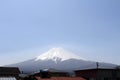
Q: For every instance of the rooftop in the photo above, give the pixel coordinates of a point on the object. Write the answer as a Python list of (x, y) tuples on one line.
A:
[(61, 78)]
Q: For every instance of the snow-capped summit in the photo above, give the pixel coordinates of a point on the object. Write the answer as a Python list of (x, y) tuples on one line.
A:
[(58, 54)]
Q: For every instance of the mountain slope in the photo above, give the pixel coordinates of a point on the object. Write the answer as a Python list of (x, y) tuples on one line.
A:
[(60, 59)]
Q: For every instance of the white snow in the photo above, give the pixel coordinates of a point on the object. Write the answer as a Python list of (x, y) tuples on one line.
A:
[(58, 54)]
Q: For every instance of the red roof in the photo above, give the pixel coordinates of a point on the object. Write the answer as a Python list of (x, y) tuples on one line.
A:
[(61, 78)]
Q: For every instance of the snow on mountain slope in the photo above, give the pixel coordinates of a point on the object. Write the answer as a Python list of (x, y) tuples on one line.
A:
[(58, 54)]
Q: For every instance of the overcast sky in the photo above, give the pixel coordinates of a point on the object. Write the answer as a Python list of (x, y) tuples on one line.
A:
[(90, 28)]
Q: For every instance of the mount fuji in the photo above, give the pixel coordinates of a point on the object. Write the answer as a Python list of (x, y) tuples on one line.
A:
[(61, 59)]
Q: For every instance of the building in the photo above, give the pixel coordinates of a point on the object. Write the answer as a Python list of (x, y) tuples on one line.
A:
[(99, 74), (9, 73), (51, 73), (58, 73)]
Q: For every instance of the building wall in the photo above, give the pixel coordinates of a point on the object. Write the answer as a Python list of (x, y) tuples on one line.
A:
[(58, 74), (99, 74), (118, 73), (105, 73), (88, 74), (7, 78), (9, 73)]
